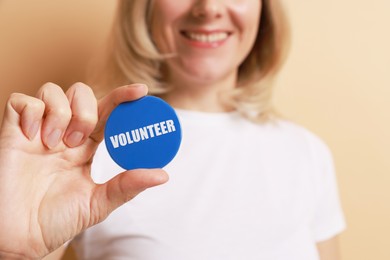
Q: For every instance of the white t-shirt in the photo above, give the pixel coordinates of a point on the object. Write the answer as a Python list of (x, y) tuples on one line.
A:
[(237, 191)]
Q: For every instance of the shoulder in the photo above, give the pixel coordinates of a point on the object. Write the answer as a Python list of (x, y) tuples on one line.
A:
[(304, 137), (299, 131)]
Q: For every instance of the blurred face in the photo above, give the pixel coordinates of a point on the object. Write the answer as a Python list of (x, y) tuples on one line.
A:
[(210, 38)]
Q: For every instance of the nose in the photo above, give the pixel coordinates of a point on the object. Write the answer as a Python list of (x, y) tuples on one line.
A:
[(207, 9)]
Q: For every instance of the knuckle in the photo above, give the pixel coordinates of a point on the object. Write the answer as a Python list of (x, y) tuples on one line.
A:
[(79, 84), (15, 97), (61, 112), (80, 90), (37, 104), (50, 91), (86, 118), (80, 87), (26, 101), (51, 87), (15, 100)]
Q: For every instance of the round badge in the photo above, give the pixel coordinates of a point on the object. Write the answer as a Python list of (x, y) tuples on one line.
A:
[(144, 133)]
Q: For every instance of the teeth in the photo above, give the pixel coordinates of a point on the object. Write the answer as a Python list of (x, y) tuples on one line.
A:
[(213, 37)]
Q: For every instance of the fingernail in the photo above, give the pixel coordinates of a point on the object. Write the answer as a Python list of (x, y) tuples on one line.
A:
[(33, 130), (139, 85), (53, 138), (74, 139)]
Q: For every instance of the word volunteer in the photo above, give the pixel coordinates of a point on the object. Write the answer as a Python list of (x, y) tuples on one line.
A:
[(143, 133)]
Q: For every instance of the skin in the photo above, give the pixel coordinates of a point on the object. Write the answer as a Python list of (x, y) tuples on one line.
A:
[(200, 72), (51, 209), (41, 207), (329, 249)]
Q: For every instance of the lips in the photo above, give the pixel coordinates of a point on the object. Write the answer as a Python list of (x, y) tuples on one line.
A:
[(205, 37)]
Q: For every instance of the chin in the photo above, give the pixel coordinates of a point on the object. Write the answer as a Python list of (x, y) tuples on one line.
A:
[(205, 74), (204, 78)]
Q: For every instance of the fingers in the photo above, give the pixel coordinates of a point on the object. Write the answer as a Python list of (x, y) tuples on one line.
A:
[(83, 105), (26, 111), (109, 102), (57, 114), (123, 188), (70, 117)]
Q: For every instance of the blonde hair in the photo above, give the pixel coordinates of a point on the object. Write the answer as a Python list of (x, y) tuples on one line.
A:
[(133, 57)]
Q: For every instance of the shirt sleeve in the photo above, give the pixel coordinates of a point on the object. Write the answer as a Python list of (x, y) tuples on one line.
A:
[(328, 219)]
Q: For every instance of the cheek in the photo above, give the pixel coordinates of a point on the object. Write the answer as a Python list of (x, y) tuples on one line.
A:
[(249, 9), (165, 13), (246, 14)]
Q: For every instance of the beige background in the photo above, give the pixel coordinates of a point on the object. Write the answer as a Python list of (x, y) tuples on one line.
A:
[(336, 82)]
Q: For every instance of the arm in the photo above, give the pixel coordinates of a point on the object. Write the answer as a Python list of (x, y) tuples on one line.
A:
[(329, 249)]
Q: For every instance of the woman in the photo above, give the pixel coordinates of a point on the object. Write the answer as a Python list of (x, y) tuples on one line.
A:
[(244, 185)]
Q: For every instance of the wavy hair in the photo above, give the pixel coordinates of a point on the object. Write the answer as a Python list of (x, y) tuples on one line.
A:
[(133, 57)]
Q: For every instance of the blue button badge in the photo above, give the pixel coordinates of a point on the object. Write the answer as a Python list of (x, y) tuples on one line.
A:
[(144, 133)]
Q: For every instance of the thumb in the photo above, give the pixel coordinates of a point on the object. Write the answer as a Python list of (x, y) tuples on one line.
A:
[(124, 187)]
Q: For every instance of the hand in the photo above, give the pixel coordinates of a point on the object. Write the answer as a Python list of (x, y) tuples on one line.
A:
[(46, 148)]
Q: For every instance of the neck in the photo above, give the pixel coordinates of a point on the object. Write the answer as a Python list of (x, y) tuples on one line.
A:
[(198, 96)]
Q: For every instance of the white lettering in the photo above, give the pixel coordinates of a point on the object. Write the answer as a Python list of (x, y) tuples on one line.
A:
[(135, 135), (171, 126), (129, 138), (122, 139), (143, 133), (157, 129), (114, 141), (163, 128), (150, 128)]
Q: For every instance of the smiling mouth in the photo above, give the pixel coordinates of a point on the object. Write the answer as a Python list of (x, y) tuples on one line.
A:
[(206, 37)]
